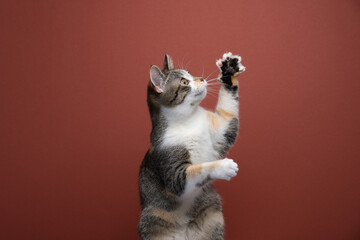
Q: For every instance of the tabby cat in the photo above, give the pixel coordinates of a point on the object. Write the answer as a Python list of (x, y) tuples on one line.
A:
[(187, 152)]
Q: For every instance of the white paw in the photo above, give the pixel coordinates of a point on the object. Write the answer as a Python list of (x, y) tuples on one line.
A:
[(226, 170)]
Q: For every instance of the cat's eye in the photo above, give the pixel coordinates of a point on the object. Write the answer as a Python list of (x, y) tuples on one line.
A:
[(184, 82)]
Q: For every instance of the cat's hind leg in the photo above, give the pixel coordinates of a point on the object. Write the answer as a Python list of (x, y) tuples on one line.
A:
[(158, 224), (209, 225)]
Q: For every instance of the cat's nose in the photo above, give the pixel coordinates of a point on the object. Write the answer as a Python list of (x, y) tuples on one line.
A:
[(199, 81)]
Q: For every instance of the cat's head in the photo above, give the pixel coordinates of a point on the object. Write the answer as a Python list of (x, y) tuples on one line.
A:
[(175, 87)]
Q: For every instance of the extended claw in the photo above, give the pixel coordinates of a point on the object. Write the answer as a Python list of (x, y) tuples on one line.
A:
[(227, 55), (219, 63)]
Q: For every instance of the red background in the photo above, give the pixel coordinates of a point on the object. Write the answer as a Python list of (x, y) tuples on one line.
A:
[(74, 123)]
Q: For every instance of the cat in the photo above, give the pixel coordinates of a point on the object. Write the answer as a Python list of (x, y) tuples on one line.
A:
[(187, 152)]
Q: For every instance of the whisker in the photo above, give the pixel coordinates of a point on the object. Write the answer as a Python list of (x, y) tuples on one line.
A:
[(182, 62), (210, 74), (202, 75), (186, 66), (179, 64), (213, 84), (212, 95), (215, 80), (213, 90), (212, 79)]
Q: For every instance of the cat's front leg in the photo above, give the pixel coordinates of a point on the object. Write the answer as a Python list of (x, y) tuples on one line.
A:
[(225, 169), (225, 120), (198, 175)]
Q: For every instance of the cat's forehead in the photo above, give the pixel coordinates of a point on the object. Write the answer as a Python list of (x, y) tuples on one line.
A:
[(180, 73)]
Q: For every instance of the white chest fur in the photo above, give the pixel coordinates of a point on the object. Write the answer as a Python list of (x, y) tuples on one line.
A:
[(193, 133)]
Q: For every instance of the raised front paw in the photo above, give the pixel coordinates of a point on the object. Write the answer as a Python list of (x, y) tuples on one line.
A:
[(226, 170), (230, 67)]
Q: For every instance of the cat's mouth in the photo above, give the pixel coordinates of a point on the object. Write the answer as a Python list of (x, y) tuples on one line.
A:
[(200, 93)]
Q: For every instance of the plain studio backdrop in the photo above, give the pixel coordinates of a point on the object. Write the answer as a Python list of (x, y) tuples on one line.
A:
[(74, 124)]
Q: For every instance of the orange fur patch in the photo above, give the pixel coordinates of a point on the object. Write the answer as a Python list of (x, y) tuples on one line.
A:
[(225, 114), (170, 194), (197, 82), (213, 165), (213, 119), (163, 214), (194, 170), (234, 80)]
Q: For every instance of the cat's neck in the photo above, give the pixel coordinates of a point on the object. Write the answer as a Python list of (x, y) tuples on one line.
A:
[(179, 113)]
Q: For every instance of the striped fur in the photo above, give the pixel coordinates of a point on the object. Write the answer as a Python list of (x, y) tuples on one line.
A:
[(188, 146)]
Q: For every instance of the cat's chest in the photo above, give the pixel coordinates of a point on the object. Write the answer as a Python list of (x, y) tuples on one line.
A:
[(193, 135)]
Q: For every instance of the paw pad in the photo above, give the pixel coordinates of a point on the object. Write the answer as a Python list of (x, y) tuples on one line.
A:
[(229, 66)]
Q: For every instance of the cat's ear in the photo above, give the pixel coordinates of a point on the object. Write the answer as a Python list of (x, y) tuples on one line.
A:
[(168, 63), (157, 78)]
